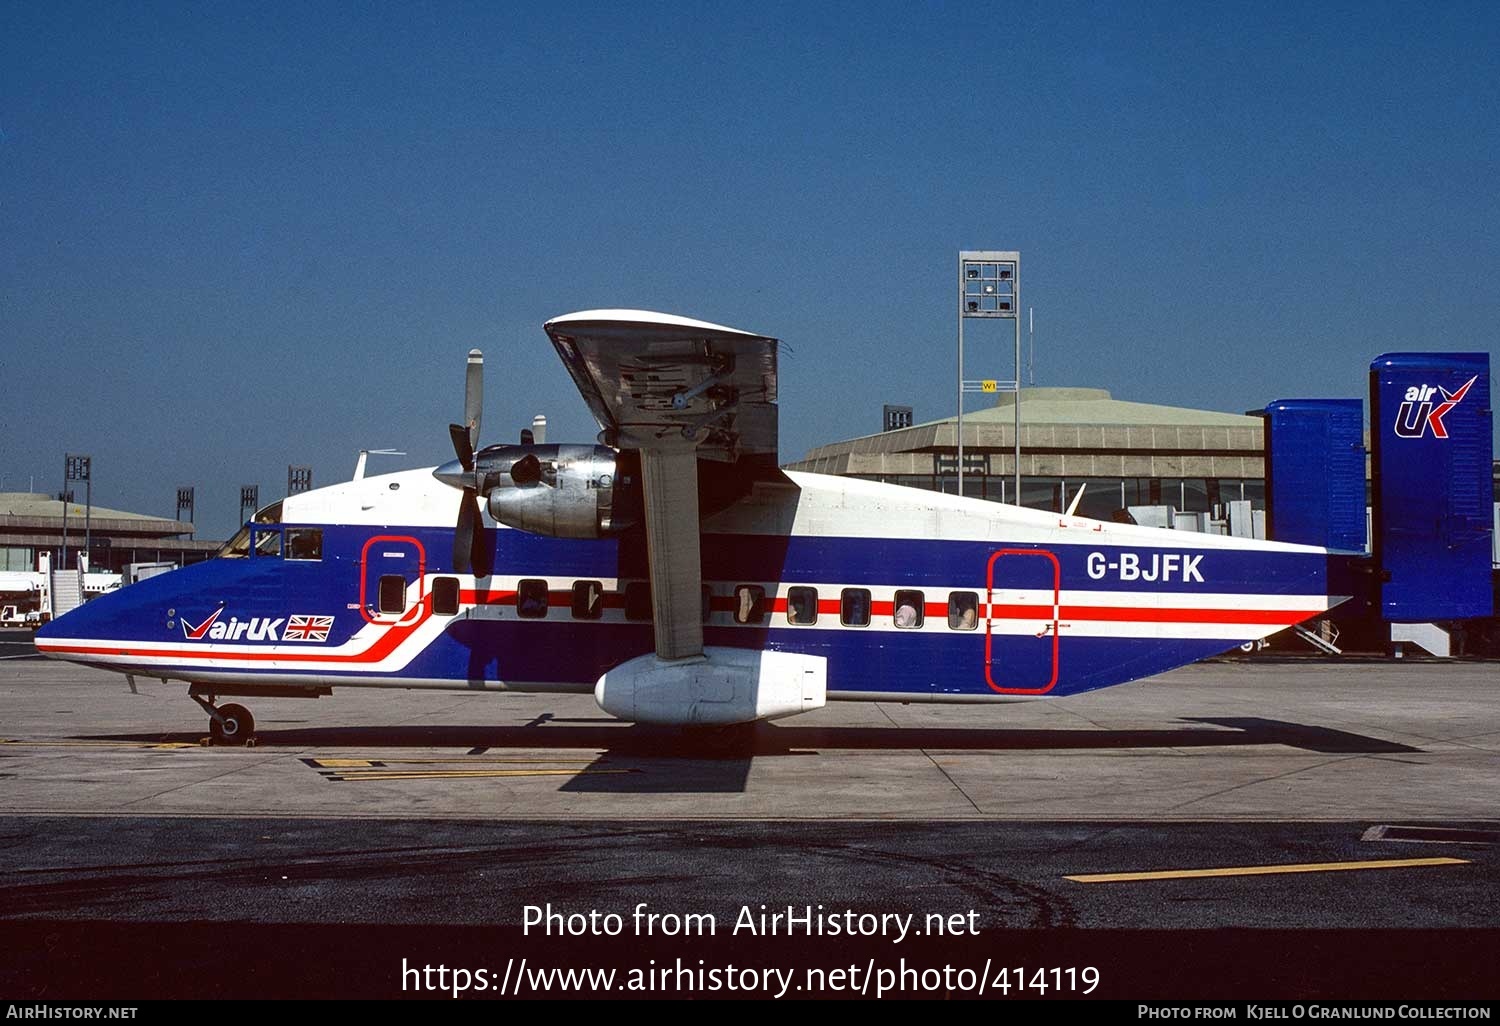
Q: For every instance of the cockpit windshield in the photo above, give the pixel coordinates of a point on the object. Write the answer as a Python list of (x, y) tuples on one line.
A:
[(267, 543)]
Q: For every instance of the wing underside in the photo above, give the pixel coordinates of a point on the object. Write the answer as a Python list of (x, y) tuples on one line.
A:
[(677, 390)]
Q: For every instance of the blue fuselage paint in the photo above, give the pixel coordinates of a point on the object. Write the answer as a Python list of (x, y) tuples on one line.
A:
[(146, 627)]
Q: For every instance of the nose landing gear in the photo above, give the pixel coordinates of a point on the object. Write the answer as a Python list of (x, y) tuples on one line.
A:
[(229, 724), (233, 725)]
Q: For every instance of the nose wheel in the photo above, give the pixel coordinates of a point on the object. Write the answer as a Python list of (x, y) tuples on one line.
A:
[(233, 726), (229, 724)]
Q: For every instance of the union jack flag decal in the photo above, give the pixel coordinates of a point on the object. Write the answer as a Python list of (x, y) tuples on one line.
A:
[(307, 628)]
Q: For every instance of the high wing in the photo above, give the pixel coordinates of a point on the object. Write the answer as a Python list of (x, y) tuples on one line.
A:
[(676, 390)]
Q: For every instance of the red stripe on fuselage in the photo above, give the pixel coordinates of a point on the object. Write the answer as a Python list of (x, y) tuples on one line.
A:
[(398, 632)]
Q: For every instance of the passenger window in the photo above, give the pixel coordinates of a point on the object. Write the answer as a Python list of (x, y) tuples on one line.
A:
[(802, 606), (445, 596), (749, 603), (854, 607), (963, 610), (531, 599), (588, 600), (910, 609), (304, 543), (708, 603), (638, 600), (392, 593)]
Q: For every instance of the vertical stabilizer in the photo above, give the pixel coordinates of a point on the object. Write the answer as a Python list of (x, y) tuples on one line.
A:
[(1430, 435), (1315, 472)]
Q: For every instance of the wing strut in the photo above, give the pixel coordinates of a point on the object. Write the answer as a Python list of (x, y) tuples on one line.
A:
[(678, 391), (669, 481)]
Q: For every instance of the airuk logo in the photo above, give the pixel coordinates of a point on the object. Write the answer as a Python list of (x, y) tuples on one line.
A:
[(299, 627), (1420, 411)]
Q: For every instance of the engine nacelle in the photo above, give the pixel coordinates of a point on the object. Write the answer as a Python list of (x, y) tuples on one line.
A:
[(565, 491), (728, 685)]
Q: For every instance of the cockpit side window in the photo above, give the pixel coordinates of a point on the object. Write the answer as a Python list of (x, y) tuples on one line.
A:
[(267, 543), (238, 547), (304, 543)]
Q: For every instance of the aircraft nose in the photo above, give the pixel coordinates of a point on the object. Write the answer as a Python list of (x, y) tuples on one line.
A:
[(453, 473), (84, 622)]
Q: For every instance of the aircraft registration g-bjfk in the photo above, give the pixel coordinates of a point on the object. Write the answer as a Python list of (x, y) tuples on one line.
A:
[(674, 571)]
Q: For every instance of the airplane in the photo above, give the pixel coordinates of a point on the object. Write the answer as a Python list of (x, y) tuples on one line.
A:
[(673, 571)]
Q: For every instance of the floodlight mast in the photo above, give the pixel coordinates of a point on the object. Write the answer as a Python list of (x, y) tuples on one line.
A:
[(989, 286)]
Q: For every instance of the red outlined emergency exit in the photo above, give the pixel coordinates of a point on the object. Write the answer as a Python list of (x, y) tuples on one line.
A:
[(1022, 662)]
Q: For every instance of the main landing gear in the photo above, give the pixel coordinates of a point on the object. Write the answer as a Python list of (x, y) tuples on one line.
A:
[(227, 724), (729, 740), (233, 724)]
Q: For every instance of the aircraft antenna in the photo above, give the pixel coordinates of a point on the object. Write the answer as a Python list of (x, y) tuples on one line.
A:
[(365, 454)]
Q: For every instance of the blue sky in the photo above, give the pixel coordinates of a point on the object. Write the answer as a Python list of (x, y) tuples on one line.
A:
[(236, 237)]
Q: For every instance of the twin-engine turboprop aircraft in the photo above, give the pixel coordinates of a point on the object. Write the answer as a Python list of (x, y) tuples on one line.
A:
[(677, 574)]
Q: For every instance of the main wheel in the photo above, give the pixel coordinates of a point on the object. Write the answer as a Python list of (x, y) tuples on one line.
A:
[(236, 726)]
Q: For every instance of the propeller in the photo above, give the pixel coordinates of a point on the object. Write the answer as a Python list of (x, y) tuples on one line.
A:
[(469, 550), (474, 396)]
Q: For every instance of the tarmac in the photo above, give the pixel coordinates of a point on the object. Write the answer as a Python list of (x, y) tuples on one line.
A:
[(1229, 829)]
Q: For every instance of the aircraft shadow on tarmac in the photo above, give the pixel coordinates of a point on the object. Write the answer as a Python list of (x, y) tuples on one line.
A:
[(716, 764)]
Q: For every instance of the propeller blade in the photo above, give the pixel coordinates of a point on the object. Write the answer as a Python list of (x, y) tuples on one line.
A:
[(463, 534), (474, 396), (479, 552), (461, 446), (469, 550)]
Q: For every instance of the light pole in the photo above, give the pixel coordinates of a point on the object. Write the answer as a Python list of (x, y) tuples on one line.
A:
[(298, 479), (77, 468), (185, 502), (989, 286), (249, 500)]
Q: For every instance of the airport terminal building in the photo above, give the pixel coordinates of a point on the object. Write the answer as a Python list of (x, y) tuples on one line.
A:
[(1127, 453), (34, 522)]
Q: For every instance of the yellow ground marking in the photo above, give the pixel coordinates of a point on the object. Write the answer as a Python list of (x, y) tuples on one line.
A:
[(467, 761), (155, 745), (1307, 867), (378, 774)]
